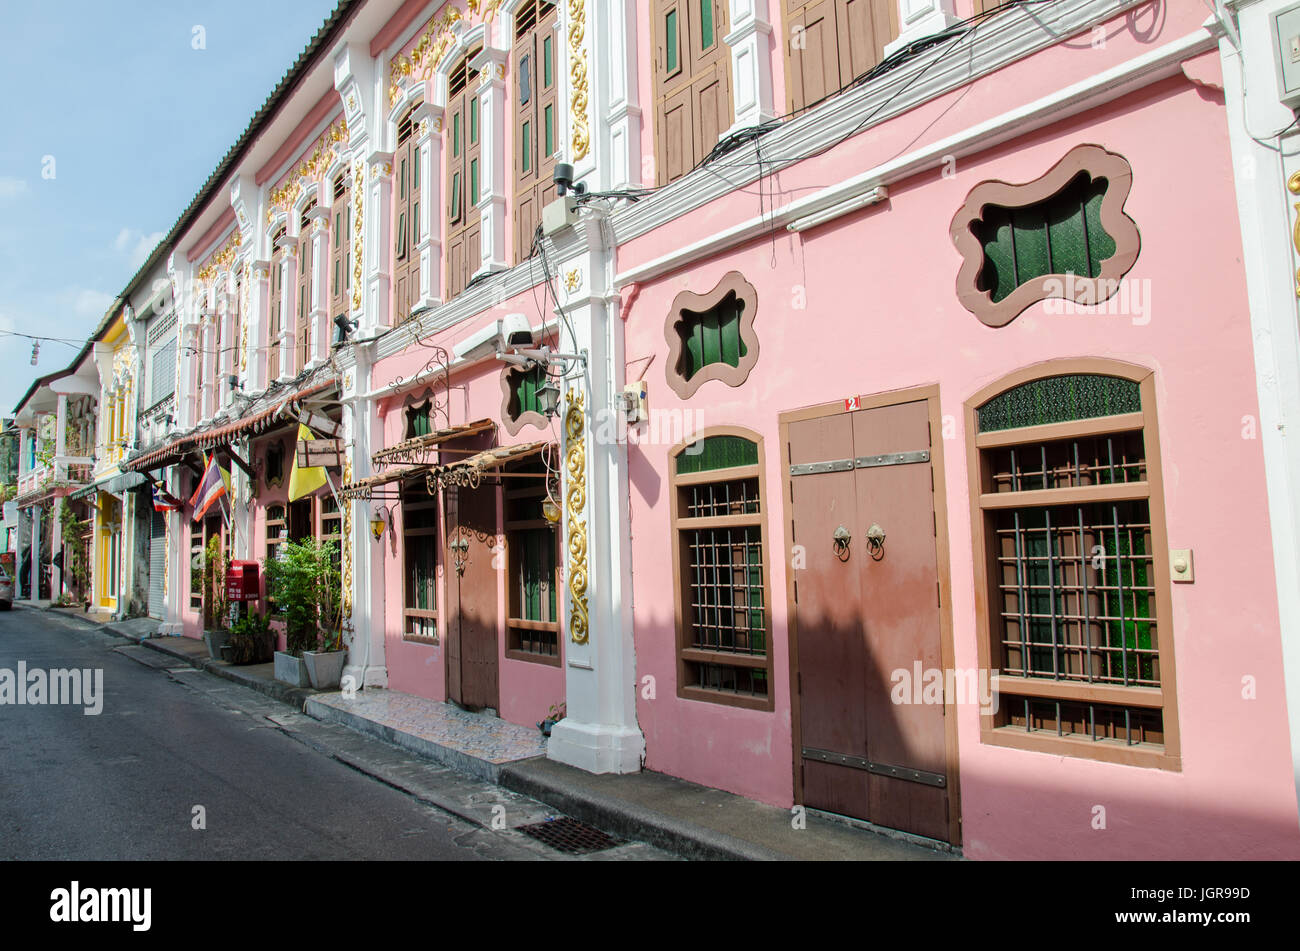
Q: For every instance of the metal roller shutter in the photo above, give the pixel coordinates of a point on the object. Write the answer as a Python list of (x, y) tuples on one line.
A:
[(157, 559)]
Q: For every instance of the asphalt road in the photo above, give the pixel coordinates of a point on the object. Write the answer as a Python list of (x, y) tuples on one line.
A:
[(124, 784)]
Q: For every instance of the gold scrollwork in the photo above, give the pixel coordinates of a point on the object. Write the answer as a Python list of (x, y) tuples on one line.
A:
[(578, 78), (313, 166), (576, 504), (347, 544), (359, 194)]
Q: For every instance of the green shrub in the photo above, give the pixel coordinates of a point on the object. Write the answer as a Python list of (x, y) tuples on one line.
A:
[(307, 590)]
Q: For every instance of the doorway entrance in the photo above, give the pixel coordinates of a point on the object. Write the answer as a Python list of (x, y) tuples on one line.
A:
[(472, 597), (869, 610)]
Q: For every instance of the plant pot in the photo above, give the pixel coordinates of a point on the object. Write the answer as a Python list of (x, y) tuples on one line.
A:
[(228, 653), (290, 670), (325, 668), (215, 641)]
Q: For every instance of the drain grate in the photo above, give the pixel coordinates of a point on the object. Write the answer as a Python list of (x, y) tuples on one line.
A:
[(566, 834)]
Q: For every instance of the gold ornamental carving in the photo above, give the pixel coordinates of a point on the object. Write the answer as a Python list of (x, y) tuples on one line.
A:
[(347, 543), (575, 497), (578, 78), (358, 200), (426, 54), (221, 260), (313, 166)]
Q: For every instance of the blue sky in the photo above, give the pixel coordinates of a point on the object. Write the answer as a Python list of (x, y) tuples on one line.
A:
[(135, 118)]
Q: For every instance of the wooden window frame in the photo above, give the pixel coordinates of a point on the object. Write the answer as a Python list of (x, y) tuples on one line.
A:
[(275, 311), (434, 532), (531, 164), (1091, 159), (681, 86), (685, 650), (461, 251), (513, 423), (406, 217), (987, 595), (340, 277), (514, 564), (794, 14), (306, 265), (732, 282)]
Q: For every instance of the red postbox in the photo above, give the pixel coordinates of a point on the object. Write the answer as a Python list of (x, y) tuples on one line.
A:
[(243, 581)]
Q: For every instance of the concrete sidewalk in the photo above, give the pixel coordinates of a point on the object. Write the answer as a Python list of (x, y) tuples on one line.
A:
[(692, 821)]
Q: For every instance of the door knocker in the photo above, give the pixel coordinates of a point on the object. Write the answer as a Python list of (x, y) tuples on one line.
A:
[(842, 539), (876, 542), (459, 548)]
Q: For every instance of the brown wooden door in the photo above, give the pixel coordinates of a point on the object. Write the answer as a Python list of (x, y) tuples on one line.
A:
[(472, 597), (862, 615)]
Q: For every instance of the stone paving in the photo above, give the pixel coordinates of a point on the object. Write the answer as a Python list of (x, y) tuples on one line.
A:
[(474, 735)]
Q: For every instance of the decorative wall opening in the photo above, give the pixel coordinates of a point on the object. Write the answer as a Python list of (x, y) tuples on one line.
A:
[(711, 336)]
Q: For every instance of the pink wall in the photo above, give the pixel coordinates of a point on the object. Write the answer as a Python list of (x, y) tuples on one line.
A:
[(527, 689), (881, 314)]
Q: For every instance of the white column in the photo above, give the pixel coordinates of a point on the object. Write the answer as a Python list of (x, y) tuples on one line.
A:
[(493, 184), (36, 550), (257, 319), (919, 19), (362, 430), (429, 145), (751, 63), (599, 734), (287, 248), (227, 361), (377, 249), (318, 343), (1270, 259)]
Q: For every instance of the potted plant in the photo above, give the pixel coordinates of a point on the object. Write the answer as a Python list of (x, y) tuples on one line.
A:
[(553, 716), (251, 640), (216, 635), (304, 582)]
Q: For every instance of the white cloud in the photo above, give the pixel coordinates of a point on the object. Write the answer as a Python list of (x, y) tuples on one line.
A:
[(136, 245), (90, 304), (11, 187)]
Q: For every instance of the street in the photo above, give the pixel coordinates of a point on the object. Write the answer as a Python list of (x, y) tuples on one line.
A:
[(125, 784)]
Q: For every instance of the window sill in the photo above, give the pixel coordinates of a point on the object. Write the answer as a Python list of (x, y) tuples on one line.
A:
[(528, 657), (1144, 755), (704, 695)]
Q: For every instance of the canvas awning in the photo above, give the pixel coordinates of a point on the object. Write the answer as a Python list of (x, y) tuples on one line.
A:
[(417, 449)]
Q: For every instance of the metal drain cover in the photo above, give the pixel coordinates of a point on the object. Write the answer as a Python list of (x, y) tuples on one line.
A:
[(566, 834)]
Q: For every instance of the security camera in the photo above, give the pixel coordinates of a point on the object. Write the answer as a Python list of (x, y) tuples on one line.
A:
[(563, 178), (482, 343), (516, 331)]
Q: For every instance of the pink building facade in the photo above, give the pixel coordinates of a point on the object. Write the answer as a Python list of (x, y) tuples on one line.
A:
[(837, 395)]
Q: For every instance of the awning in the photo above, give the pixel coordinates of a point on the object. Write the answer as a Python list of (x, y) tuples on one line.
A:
[(261, 415), (364, 489), (469, 471), (414, 451)]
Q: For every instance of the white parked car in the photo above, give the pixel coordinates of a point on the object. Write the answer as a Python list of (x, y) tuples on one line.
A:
[(6, 590)]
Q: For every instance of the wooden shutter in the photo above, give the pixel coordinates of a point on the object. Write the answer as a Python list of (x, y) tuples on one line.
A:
[(692, 83), (302, 302), (273, 317), (830, 43), (340, 276), (406, 223), (537, 110), (463, 152)]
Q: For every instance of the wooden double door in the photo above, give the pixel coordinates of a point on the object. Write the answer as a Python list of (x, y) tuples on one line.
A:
[(867, 613), (471, 554)]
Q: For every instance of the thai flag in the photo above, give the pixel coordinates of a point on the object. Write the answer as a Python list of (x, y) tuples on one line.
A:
[(164, 501), (211, 487)]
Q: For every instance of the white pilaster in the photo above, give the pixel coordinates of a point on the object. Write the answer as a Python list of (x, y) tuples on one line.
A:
[(919, 19), (377, 245), (493, 183), (751, 63), (429, 118), (618, 139), (318, 342)]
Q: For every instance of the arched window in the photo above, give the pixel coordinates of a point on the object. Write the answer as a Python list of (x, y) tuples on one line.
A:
[(537, 111), (463, 156), (720, 564), (274, 313), (1070, 550), (406, 219)]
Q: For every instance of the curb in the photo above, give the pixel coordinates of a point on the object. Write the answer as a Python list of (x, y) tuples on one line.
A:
[(631, 822), (296, 697)]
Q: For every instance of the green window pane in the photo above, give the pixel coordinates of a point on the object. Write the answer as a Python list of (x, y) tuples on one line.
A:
[(550, 130), (1059, 399), (670, 53), (712, 336), (548, 63), (455, 196), (415, 172), (473, 121), (455, 135), (402, 180), (717, 452), (473, 182), (526, 140), (706, 24), (415, 222), (1060, 235)]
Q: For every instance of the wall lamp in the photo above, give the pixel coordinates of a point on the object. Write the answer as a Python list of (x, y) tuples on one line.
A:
[(380, 519)]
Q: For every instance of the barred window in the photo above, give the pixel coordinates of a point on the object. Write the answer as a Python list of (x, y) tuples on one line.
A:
[(533, 628), (721, 568), (1070, 511)]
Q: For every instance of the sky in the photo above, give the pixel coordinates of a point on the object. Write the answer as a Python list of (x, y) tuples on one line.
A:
[(113, 116)]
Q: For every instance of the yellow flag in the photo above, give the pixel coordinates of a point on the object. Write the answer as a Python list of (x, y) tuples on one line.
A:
[(304, 481)]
